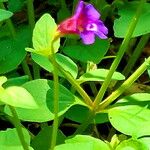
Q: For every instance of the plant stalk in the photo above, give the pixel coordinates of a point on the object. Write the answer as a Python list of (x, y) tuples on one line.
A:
[(56, 103), (125, 85), (26, 69), (31, 19), (18, 127), (136, 54), (122, 49)]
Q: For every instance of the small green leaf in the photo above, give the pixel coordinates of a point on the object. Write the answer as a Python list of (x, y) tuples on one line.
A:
[(43, 36), (4, 14), (2, 80), (131, 114), (40, 141), (7, 143), (18, 97), (62, 60), (126, 14), (131, 144), (99, 75), (85, 53), (83, 142), (42, 92)]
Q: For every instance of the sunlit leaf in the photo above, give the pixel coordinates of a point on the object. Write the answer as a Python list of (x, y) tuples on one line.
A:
[(5, 14), (126, 14), (62, 60), (99, 75), (18, 97), (43, 36), (7, 143), (131, 114), (42, 92), (83, 142)]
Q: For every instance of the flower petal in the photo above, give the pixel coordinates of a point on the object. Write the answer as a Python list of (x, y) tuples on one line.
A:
[(68, 26), (87, 37), (91, 12), (101, 27), (79, 9), (101, 35)]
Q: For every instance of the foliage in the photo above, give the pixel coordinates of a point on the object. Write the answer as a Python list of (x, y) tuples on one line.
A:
[(60, 94)]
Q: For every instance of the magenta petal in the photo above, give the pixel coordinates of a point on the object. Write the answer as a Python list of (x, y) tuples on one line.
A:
[(87, 37), (91, 12), (79, 8), (102, 28), (101, 35)]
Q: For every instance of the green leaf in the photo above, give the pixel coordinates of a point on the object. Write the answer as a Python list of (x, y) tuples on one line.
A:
[(42, 92), (62, 60), (83, 142), (131, 144), (43, 36), (16, 81), (131, 114), (146, 141), (74, 114), (12, 51), (7, 143), (15, 5), (63, 13), (99, 75), (4, 14), (18, 97), (85, 53), (3, 79), (42, 140), (3, 0), (126, 14)]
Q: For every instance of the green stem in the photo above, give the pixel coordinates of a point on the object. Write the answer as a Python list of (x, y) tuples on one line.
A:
[(18, 128), (125, 85), (30, 9), (123, 48), (31, 19), (75, 84), (36, 70), (56, 103), (26, 69), (136, 54)]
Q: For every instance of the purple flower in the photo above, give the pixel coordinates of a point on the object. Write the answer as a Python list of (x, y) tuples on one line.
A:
[(85, 22)]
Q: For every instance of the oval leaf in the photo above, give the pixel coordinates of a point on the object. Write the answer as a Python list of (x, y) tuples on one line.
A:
[(130, 119), (62, 60), (12, 51), (43, 36), (83, 142), (6, 141), (5, 14), (42, 92), (85, 53), (99, 75), (126, 15), (131, 144), (18, 97)]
